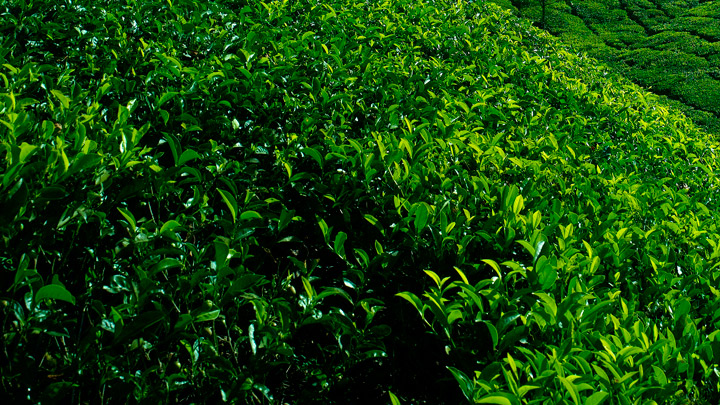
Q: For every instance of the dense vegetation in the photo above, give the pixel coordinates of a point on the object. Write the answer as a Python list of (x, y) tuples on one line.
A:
[(407, 201), (671, 47)]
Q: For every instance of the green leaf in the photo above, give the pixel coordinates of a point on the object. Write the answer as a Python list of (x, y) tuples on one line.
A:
[(187, 156), (518, 204), (83, 161), (175, 147), (414, 300), (248, 215), (340, 239), (22, 273), (570, 387), (682, 308), (421, 217), (168, 226), (63, 99), (221, 253), (628, 351), (393, 399), (239, 286), (538, 251), (548, 302), (207, 316), (26, 150), (11, 68), (230, 202), (547, 274), (593, 311), (596, 398), (52, 193), (373, 221), (164, 115), (313, 154), (466, 384), (324, 229), (499, 398), (660, 376), (493, 333), (438, 282), (10, 126), (54, 292), (494, 265), (129, 217), (245, 73), (308, 288), (526, 388), (165, 98), (183, 322), (328, 291), (18, 200), (165, 264), (530, 249)]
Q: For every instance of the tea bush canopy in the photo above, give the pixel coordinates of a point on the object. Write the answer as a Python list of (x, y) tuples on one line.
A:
[(344, 202)]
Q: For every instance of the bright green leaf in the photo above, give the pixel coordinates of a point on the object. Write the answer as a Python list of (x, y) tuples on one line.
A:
[(207, 316), (499, 398), (248, 215), (63, 99), (393, 399), (597, 398), (230, 202), (169, 226)]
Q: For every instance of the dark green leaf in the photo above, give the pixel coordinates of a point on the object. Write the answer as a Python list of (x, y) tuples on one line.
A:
[(55, 292)]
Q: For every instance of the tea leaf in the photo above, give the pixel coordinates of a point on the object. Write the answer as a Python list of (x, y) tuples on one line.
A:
[(597, 398), (230, 202), (54, 292)]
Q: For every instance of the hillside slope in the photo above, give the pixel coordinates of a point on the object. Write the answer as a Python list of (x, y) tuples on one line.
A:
[(293, 202), (667, 46)]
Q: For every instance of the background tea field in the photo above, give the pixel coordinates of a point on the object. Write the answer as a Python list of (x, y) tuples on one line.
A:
[(670, 47)]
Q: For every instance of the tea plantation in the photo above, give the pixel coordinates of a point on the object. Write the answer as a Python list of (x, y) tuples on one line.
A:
[(406, 202), (671, 47)]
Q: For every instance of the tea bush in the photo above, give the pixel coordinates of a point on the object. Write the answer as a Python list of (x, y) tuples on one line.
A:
[(343, 202), (681, 42)]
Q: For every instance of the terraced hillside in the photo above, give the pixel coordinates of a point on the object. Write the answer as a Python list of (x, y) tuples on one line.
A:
[(671, 47)]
